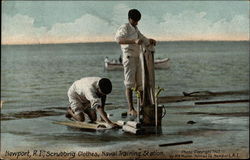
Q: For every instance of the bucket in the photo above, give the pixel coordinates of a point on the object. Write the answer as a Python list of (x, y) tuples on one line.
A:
[(148, 115)]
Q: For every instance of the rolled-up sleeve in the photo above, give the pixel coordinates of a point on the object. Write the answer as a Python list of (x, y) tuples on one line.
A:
[(121, 33), (95, 101)]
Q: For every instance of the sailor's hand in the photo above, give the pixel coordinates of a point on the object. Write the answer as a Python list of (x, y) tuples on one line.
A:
[(152, 41), (113, 125), (138, 41)]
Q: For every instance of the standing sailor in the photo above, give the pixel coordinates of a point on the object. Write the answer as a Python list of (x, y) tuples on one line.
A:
[(130, 39)]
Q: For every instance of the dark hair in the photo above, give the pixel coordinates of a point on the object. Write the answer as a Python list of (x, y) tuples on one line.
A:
[(134, 14), (105, 85)]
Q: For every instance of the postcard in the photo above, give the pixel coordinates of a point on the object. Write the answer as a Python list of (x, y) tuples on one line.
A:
[(125, 80)]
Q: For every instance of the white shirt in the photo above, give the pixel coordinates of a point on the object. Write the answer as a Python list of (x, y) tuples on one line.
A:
[(129, 32), (85, 89)]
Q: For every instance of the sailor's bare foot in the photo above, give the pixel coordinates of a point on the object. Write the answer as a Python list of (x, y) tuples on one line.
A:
[(69, 114), (132, 112)]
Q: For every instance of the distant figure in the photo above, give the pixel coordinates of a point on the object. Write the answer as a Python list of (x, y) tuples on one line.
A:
[(106, 59), (2, 103), (130, 39), (88, 95), (120, 59)]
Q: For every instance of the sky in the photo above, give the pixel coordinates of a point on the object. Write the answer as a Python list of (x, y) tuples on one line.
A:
[(41, 22)]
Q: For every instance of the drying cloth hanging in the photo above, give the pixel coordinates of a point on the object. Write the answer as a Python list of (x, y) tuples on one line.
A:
[(148, 74)]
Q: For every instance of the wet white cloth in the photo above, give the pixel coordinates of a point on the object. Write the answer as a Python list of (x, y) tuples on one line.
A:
[(148, 74), (83, 94)]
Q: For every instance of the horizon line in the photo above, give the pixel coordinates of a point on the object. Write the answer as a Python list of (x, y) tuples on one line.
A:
[(15, 44)]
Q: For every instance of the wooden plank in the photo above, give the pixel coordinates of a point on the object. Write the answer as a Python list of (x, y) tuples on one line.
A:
[(209, 93), (199, 95), (176, 143), (83, 125), (246, 92), (171, 99), (221, 102)]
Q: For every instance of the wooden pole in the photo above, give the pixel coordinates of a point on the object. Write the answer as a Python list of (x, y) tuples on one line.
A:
[(173, 144), (156, 112), (221, 102), (138, 109)]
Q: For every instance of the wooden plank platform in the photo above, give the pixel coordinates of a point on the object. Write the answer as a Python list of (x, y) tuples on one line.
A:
[(171, 99), (199, 95), (84, 125), (222, 102)]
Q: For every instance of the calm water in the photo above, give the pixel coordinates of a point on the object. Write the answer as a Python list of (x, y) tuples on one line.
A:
[(37, 77)]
